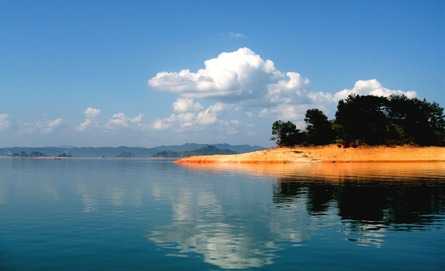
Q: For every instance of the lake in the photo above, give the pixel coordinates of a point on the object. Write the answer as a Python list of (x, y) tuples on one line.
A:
[(87, 214)]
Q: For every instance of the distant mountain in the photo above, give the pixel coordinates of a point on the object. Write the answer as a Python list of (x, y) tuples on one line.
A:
[(238, 148), (123, 151), (194, 146), (210, 149), (166, 154), (206, 150)]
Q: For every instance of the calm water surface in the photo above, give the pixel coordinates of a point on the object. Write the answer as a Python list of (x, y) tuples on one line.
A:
[(155, 215)]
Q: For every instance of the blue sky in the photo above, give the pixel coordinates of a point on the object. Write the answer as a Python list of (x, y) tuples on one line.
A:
[(68, 66)]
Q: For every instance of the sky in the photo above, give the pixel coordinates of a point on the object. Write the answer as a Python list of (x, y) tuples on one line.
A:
[(147, 73)]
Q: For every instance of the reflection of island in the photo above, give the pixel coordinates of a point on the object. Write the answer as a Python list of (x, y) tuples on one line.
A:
[(397, 204), (333, 172), (368, 209)]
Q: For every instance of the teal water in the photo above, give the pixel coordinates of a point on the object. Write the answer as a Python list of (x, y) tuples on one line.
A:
[(155, 215)]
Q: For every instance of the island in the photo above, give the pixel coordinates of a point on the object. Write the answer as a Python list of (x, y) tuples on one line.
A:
[(365, 129)]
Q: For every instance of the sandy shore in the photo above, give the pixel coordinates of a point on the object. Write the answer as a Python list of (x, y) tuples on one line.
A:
[(330, 153)]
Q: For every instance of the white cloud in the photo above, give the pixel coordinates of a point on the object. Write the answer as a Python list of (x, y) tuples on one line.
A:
[(241, 74), (117, 120), (240, 77), (42, 127), (91, 115), (289, 111), (4, 121), (246, 82), (209, 115), (50, 125), (361, 87), (120, 120), (183, 105), (292, 85), (161, 124), (189, 114), (371, 87)]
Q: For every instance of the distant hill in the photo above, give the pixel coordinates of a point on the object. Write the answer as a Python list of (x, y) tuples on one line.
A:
[(183, 150), (206, 150), (210, 149)]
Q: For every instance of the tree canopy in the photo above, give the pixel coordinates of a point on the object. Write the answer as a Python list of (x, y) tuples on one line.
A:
[(286, 134), (319, 130), (369, 120)]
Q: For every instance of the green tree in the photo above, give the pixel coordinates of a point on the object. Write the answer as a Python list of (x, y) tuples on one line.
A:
[(362, 119), (390, 120), (286, 134), (319, 129), (419, 121)]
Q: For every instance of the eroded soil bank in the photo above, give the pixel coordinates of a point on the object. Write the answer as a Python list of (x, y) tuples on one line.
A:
[(330, 153)]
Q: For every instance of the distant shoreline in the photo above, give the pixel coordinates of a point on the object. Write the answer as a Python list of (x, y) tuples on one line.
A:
[(162, 152), (85, 158), (329, 153)]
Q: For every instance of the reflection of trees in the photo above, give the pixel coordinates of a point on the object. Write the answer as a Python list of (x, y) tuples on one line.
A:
[(409, 204), (368, 208), (318, 194)]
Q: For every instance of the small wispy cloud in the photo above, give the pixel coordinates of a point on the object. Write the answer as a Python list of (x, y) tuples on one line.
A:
[(4, 121), (50, 125), (235, 35), (41, 126)]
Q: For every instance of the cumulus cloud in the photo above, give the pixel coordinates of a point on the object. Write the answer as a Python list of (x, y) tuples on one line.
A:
[(120, 120), (241, 74), (361, 87), (91, 114), (189, 114), (284, 90), (209, 115), (4, 121), (371, 87), (183, 105), (238, 77), (245, 80), (289, 111)]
